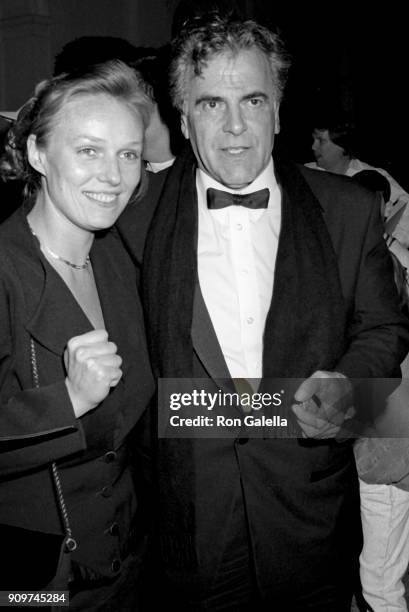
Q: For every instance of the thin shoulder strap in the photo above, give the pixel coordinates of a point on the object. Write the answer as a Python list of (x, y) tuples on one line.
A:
[(70, 542)]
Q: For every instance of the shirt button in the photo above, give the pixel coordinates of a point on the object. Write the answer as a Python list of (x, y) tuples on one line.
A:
[(116, 565), (250, 320), (114, 529), (110, 456), (239, 227), (245, 271), (106, 491)]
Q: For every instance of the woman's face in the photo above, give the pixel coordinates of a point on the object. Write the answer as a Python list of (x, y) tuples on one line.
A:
[(91, 163)]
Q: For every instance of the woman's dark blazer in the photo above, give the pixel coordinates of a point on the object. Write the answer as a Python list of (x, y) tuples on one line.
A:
[(38, 426)]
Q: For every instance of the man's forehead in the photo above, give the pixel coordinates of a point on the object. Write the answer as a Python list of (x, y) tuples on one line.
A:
[(227, 65)]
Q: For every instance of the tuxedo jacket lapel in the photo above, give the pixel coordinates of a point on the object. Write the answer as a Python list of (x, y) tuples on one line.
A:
[(205, 342), (284, 295)]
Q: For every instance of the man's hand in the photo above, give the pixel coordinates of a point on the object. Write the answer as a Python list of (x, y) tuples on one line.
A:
[(325, 401)]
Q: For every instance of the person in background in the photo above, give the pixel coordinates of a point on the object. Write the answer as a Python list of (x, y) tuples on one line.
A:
[(376, 182), (334, 151), (70, 313), (383, 464), (163, 137), (379, 184), (256, 269), (10, 190), (87, 50)]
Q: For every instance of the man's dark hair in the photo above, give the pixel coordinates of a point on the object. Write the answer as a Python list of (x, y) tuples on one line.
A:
[(209, 35), (187, 10)]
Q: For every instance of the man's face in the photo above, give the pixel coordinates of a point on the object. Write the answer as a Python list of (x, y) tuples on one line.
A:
[(327, 154), (230, 115)]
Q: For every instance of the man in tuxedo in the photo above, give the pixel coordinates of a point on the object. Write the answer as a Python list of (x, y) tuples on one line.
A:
[(256, 270)]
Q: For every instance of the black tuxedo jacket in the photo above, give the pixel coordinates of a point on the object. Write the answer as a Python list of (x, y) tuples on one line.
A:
[(300, 496)]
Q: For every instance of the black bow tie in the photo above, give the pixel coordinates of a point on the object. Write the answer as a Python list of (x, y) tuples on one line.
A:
[(217, 199)]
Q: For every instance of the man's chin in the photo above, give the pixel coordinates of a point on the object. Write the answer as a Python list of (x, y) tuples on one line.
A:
[(237, 180), (237, 185)]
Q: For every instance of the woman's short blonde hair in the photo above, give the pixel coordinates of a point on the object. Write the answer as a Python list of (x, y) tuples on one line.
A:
[(38, 116)]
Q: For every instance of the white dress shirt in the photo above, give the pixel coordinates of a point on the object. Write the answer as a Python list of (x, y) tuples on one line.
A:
[(158, 166), (237, 249)]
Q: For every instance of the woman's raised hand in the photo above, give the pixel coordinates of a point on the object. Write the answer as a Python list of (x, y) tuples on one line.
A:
[(93, 367)]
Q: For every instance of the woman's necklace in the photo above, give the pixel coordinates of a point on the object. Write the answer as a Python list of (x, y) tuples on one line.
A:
[(83, 266)]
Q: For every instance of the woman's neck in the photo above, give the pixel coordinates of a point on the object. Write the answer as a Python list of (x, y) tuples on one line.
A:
[(58, 234)]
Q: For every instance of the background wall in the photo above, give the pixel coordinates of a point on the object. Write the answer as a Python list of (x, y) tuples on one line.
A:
[(33, 31), (361, 59)]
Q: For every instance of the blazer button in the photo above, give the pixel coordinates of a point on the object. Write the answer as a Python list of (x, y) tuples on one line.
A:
[(116, 565), (110, 456), (106, 491), (114, 529)]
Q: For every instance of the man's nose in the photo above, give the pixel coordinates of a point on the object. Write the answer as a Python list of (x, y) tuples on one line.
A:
[(234, 121), (314, 145), (110, 171)]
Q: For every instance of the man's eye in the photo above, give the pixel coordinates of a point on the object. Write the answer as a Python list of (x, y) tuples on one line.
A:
[(87, 152), (130, 155), (211, 104), (255, 101)]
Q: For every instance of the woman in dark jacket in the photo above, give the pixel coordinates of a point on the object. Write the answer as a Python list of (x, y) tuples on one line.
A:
[(71, 323)]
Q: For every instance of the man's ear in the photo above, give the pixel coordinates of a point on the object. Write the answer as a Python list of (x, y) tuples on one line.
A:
[(276, 118), (35, 155), (184, 125)]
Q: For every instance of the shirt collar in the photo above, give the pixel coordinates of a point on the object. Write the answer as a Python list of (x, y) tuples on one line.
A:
[(158, 166)]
